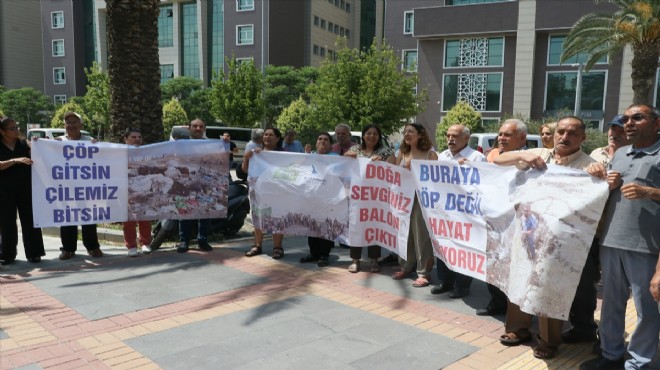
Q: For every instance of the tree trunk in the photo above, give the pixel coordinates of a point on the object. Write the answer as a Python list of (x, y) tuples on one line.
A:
[(644, 66), (134, 68)]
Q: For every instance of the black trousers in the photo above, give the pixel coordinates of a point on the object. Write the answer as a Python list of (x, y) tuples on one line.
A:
[(497, 297), (583, 307), (453, 279), (319, 247), (373, 251), (21, 200), (69, 237)]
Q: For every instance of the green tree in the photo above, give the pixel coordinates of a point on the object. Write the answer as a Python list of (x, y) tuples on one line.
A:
[(362, 87), (636, 23), (173, 115), (461, 113), (237, 96), (71, 106), (283, 85), (179, 87), (26, 105), (297, 116), (97, 100), (198, 105), (134, 68)]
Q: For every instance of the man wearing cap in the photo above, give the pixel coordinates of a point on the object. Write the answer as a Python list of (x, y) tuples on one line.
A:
[(69, 234), (630, 244), (583, 327), (616, 138)]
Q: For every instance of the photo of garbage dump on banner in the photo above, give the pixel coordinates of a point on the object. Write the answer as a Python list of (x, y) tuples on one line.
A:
[(186, 179)]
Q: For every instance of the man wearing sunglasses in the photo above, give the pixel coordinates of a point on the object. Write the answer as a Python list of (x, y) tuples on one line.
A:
[(630, 244)]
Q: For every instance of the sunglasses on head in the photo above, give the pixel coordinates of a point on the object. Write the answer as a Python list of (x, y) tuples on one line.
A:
[(637, 117)]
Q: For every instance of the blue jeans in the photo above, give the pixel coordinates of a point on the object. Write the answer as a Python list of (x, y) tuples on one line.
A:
[(185, 229), (620, 269)]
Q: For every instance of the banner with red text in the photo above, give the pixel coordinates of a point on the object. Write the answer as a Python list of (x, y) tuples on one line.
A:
[(358, 202), (526, 232), (80, 182)]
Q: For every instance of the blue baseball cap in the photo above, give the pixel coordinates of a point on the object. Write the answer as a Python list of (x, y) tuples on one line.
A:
[(617, 120)]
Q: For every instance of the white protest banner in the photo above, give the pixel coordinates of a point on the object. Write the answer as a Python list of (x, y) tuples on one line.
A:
[(537, 267), (313, 195), (381, 200), (184, 179), (301, 194), (78, 183)]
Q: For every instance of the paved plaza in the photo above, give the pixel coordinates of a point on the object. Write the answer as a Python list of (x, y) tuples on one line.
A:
[(221, 310)]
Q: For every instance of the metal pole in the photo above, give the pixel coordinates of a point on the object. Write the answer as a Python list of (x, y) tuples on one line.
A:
[(578, 92)]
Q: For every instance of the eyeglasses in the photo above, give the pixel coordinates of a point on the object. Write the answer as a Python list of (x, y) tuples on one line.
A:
[(637, 117)]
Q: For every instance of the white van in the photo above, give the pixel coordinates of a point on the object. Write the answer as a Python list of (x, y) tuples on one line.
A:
[(240, 137), (483, 142), (49, 133)]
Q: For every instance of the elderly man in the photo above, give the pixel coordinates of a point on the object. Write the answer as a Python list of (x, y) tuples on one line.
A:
[(512, 136), (569, 135), (630, 244), (69, 234), (197, 130), (457, 141), (256, 138), (583, 327), (290, 143), (343, 137)]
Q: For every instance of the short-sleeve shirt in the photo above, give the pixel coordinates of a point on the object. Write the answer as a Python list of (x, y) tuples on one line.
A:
[(578, 160), (383, 152), (341, 149), (601, 155), (294, 147), (467, 152), (634, 224), (16, 176)]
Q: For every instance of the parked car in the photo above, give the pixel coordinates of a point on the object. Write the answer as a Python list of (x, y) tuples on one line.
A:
[(240, 137), (483, 142), (49, 133)]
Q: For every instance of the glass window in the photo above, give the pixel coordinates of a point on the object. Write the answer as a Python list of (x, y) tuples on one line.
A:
[(348, 34), (410, 60), (189, 41), (217, 42), (322, 23), (240, 61), (481, 90), (560, 91), (474, 52), (316, 21), (556, 47), (336, 29), (348, 7), (322, 51), (341, 31), (57, 19), (331, 27), (58, 48), (59, 76), (245, 35), (59, 99), (243, 5), (408, 22), (166, 72), (315, 50), (165, 27)]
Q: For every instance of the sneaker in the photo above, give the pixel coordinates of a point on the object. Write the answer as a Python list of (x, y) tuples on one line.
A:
[(96, 253), (146, 249), (204, 245), (132, 252), (182, 247), (65, 255)]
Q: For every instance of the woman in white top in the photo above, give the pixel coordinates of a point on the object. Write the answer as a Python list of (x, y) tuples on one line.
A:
[(416, 145)]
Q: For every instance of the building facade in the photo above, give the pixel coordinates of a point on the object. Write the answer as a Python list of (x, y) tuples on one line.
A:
[(502, 57)]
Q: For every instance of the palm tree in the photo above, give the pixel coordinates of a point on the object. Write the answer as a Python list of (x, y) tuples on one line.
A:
[(133, 68), (636, 23)]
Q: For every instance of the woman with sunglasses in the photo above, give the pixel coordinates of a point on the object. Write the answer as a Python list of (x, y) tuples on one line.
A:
[(16, 190)]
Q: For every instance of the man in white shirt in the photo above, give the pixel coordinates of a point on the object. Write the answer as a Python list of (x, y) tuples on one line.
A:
[(457, 141)]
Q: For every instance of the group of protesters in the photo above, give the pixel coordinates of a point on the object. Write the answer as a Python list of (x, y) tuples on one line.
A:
[(623, 255)]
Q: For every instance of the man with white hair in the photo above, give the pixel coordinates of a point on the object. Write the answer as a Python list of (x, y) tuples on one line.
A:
[(343, 137)]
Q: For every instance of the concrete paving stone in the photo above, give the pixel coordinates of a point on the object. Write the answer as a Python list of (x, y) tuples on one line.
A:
[(3, 335), (340, 336), (141, 283), (30, 367)]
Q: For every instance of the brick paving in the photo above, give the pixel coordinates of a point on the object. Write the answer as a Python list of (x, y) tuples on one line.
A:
[(38, 330)]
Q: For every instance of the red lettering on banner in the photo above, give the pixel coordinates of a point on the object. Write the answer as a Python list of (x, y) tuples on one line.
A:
[(451, 229), (379, 215), (372, 235), (385, 195), (383, 173), (464, 259)]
